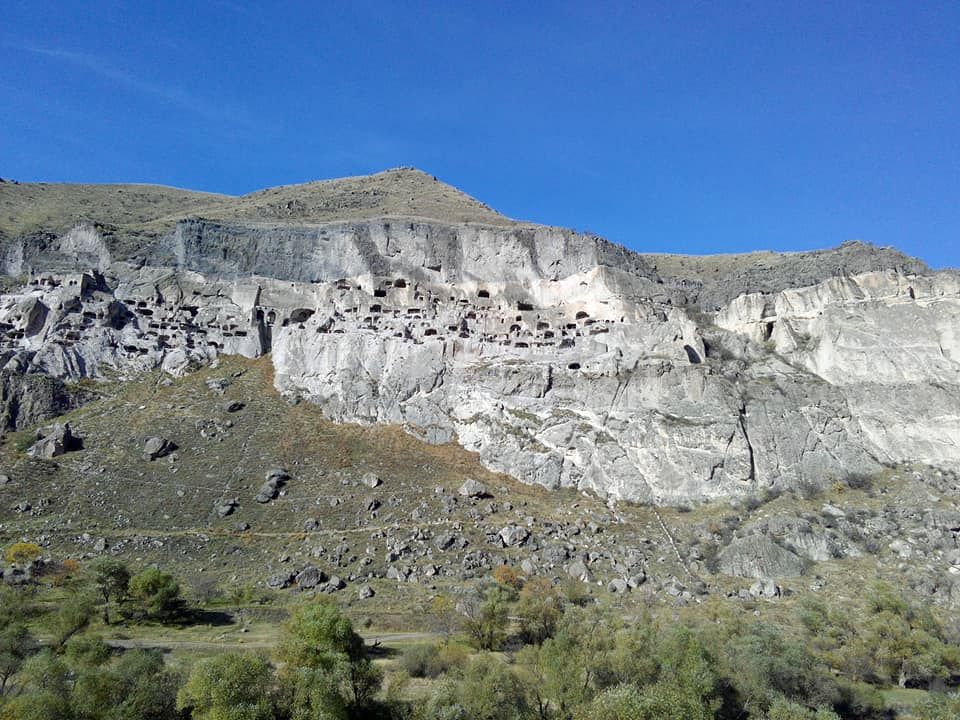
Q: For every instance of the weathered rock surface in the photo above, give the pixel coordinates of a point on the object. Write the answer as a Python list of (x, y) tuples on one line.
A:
[(562, 359), (758, 556), (54, 441)]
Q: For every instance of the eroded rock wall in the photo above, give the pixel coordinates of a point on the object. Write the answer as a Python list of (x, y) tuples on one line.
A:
[(561, 359)]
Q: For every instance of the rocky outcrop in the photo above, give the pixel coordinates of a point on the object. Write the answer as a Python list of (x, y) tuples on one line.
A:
[(558, 357), (888, 342)]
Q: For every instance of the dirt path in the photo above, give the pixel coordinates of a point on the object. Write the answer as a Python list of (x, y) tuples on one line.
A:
[(237, 639)]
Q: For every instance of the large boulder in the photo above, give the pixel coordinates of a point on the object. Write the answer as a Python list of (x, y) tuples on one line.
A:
[(473, 489), (513, 535), (54, 441), (157, 447), (758, 556)]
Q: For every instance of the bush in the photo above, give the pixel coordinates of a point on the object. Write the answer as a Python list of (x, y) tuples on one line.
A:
[(431, 661), (22, 553), (227, 687), (157, 593), (661, 701)]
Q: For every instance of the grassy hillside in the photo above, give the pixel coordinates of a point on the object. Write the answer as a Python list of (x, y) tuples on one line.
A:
[(27, 208)]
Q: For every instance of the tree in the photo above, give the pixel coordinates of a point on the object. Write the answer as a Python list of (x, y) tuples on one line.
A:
[(783, 709), (319, 638), (489, 690), (766, 666), (897, 642), (686, 665), (310, 696), (144, 689), (16, 645), (158, 594), (444, 616), (111, 579), (487, 618), (938, 706), (661, 701), (540, 608), (231, 686), (239, 595), (72, 616), (84, 652), (44, 693), (14, 606), (22, 553)]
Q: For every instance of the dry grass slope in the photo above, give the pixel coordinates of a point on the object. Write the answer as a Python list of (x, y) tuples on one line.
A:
[(27, 208)]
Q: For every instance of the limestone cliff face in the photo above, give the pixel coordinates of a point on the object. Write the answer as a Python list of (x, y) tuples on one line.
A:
[(560, 358), (889, 342)]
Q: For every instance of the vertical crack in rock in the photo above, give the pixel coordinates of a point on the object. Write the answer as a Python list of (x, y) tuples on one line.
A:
[(742, 421)]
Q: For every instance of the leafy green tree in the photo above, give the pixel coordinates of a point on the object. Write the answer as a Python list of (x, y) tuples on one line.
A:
[(71, 617), (489, 690), (157, 593), (444, 616), (145, 688), (16, 646), (784, 709), (897, 642), (309, 695), (569, 668), (231, 686), (766, 666), (239, 595), (86, 652), (486, 618), (661, 701), (687, 666), (14, 605), (540, 608), (938, 706), (44, 690), (111, 578), (318, 637)]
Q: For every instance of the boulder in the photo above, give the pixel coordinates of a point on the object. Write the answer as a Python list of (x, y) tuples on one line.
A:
[(365, 592), (618, 585), (758, 556), (334, 584), (281, 580), (514, 535), (473, 489), (445, 541), (54, 441), (309, 578), (276, 479), (157, 447), (579, 571), (371, 480), (225, 509), (267, 492), (765, 589)]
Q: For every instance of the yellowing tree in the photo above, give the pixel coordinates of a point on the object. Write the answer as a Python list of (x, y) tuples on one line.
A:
[(22, 553)]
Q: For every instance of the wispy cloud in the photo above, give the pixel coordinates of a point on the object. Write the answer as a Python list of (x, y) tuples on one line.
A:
[(163, 92)]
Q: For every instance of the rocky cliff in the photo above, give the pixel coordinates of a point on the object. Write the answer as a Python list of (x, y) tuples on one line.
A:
[(561, 358)]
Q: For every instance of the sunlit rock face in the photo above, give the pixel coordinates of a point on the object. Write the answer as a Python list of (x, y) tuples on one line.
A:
[(888, 341), (560, 358)]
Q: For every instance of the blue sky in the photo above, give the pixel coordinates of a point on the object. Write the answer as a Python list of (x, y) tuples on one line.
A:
[(668, 126)]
